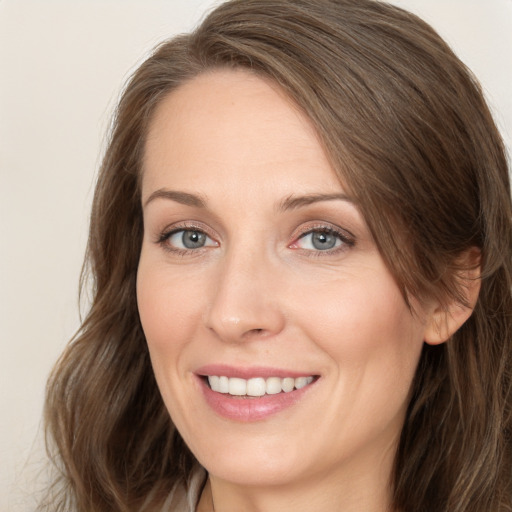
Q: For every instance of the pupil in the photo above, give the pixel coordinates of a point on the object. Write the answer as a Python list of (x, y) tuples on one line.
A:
[(193, 239), (323, 241)]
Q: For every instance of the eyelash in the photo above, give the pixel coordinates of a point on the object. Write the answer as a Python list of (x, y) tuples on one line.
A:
[(346, 238), (164, 237)]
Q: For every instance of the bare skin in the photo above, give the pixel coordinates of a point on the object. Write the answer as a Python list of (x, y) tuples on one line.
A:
[(283, 274)]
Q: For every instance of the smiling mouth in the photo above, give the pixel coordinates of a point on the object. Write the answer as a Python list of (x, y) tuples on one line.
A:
[(257, 386)]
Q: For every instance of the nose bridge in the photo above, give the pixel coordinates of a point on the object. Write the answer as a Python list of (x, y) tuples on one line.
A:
[(244, 302)]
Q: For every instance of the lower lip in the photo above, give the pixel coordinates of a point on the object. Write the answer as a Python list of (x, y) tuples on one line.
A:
[(253, 408)]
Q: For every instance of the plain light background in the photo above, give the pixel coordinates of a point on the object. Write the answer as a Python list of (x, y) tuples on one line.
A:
[(62, 66)]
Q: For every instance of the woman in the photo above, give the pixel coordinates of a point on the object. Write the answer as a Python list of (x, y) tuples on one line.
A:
[(300, 245)]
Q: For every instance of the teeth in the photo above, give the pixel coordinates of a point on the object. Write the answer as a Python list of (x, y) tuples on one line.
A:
[(288, 384), (237, 387), (274, 385), (301, 382), (223, 385), (256, 386)]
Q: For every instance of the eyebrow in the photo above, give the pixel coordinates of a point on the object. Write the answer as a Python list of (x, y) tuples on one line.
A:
[(289, 203), (294, 202), (178, 196)]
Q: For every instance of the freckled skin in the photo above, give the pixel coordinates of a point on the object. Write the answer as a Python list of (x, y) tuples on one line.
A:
[(260, 294)]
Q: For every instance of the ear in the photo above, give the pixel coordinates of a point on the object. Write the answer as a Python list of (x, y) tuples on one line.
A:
[(445, 319)]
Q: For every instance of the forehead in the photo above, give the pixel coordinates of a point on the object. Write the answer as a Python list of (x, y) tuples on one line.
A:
[(233, 126)]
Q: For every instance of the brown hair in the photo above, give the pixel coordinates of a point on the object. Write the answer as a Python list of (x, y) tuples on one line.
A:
[(406, 127)]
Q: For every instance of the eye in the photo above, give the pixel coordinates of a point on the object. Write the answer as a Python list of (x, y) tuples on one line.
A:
[(319, 241), (322, 239), (188, 239)]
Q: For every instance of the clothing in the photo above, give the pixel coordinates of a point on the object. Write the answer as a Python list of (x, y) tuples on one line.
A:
[(181, 500)]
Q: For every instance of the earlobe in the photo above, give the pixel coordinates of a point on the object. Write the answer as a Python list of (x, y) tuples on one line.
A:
[(446, 319), (444, 322)]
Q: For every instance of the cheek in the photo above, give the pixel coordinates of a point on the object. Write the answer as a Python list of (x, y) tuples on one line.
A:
[(166, 303), (367, 330), (374, 344), (170, 311)]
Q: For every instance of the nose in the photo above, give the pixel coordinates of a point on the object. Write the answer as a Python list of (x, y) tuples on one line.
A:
[(245, 303)]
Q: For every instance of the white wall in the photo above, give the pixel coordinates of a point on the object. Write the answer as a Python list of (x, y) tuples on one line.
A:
[(62, 64)]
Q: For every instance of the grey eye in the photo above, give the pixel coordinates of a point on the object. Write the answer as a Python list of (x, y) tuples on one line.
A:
[(319, 241), (189, 239), (323, 241), (193, 239)]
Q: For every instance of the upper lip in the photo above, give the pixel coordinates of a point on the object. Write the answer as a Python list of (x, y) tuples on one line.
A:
[(248, 372)]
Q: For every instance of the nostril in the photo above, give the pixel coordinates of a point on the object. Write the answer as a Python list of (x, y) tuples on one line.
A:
[(254, 332), (235, 321)]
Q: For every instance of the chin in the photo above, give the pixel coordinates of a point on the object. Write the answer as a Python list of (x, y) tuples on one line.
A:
[(252, 461)]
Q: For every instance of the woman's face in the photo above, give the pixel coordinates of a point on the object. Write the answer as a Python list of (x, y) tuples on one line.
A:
[(258, 271)]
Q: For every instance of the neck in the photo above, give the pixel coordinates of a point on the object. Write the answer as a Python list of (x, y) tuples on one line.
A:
[(361, 489)]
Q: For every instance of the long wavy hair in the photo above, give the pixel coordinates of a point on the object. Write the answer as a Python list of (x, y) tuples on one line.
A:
[(407, 130)]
